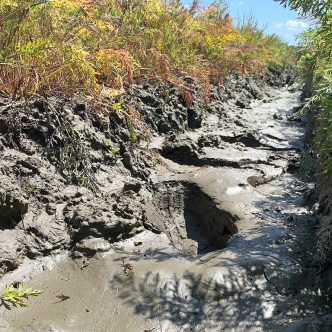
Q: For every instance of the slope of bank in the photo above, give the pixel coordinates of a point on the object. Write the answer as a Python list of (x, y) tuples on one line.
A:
[(64, 164), (201, 226)]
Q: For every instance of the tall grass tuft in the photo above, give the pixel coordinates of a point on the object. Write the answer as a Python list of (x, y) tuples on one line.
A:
[(83, 46)]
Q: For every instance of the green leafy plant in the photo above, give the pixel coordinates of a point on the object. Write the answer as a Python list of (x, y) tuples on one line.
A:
[(17, 295), (32, 188), (118, 106), (306, 163), (132, 130), (317, 8), (111, 147), (80, 180)]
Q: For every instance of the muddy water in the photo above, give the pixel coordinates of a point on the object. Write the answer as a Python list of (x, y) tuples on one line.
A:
[(228, 257)]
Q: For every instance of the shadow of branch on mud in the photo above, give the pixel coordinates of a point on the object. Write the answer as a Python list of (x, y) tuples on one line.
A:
[(291, 226), (276, 285), (257, 298), (204, 301), (193, 303)]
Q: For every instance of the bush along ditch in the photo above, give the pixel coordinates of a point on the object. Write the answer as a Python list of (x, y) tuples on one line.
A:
[(315, 65), (98, 48)]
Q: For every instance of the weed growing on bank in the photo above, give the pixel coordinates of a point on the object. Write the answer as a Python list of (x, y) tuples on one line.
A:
[(97, 47), (17, 295)]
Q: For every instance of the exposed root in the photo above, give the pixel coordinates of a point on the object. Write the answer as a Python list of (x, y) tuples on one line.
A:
[(74, 160), (12, 128), (324, 242)]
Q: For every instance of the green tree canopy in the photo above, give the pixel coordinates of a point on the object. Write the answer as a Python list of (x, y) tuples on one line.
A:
[(315, 8)]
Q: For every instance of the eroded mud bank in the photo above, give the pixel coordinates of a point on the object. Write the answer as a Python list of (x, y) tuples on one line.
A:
[(202, 228)]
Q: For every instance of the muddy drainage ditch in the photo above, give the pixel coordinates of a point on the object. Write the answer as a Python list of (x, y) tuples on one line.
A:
[(197, 198)]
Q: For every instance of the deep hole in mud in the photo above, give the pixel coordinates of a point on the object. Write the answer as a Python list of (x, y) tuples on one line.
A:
[(191, 219), (11, 212)]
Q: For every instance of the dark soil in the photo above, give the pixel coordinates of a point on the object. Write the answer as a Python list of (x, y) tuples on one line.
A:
[(71, 172), (205, 219)]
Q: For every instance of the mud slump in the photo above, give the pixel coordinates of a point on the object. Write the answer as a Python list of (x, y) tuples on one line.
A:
[(191, 219)]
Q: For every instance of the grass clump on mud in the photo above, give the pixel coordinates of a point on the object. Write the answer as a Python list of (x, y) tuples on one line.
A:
[(17, 295), (98, 47)]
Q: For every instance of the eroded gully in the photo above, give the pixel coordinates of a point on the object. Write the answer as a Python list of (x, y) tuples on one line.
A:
[(225, 250)]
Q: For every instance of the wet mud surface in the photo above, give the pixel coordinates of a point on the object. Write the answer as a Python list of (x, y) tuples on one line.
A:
[(189, 217), (211, 236)]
